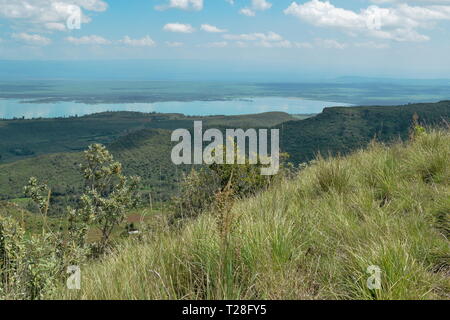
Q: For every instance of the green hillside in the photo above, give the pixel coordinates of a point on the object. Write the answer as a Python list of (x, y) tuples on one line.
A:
[(342, 130), (146, 152), (29, 138), (55, 146), (311, 237)]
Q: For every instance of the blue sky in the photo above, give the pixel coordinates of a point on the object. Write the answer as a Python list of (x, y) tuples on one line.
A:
[(391, 38)]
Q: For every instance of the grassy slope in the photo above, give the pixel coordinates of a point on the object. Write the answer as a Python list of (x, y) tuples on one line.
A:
[(308, 238)]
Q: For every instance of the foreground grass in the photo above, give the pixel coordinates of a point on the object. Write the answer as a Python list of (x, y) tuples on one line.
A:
[(309, 238)]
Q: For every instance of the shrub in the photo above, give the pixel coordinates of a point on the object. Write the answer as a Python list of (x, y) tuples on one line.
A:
[(30, 268), (107, 198), (196, 194), (199, 188)]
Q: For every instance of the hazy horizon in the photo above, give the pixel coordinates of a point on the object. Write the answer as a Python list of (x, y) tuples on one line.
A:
[(182, 70), (241, 40)]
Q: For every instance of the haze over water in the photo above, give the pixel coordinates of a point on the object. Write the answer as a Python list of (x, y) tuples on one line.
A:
[(13, 108)]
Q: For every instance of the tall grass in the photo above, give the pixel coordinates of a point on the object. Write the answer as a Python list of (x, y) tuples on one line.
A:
[(312, 237)]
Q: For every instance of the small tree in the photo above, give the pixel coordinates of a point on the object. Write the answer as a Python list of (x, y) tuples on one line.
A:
[(197, 191), (416, 129), (107, 197), (40, 194)]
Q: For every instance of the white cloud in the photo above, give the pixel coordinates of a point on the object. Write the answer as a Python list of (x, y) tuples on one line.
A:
[(195, 5), (399, 23), (275, 44), (212, 29), (303, 45), (256, 5), (330, 44), (371, 45), (93, 39), (178, 27), (264, 40), (98, 40), (261, 5), (247, 12), (412, 1), (31, 39), (218, 44), (57, 26), (48, 14), (174, 44), (270, 36), (143, 42)]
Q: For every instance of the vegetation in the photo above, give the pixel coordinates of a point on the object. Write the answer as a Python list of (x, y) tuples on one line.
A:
[(310, 237), (344, 130), (32, 265), (28, 138), (146, 152), (308, 233), (131, 138), (107, 198)]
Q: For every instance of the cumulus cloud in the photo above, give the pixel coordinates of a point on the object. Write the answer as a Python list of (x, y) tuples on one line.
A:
[(261, 5), (399, 23), (143, 42), (256, 5), (330, 44), (412, 1), (371, 45), (270, 36), (212, 29), (178, 27), (195, 5), (174, 44), (92, 40), (49, 14), (264, 40), (247, 12), (98, 40), (57, 26), (31, 39), (218, 44)]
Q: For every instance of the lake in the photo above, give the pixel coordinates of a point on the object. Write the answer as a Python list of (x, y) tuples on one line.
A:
[(13, 108)]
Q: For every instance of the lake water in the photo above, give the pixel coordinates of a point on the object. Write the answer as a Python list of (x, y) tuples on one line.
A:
[(10, 108)]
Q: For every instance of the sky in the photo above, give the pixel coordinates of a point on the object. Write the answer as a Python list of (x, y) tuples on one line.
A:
[(382, 38)]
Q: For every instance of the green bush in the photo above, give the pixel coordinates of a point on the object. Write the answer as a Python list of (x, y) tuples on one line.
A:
[(30, 268), (196, 193)]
